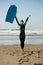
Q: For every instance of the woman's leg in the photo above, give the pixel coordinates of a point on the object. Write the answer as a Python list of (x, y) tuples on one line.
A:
[(22, 39), (22, 44)]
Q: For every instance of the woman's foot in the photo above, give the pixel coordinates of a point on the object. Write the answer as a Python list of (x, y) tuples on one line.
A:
[(23, 50)]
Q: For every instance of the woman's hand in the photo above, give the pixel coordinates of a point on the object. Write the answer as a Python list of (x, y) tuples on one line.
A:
[(29, 16)]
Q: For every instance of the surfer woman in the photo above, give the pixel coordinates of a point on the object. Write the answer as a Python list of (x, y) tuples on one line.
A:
[(22, 31)]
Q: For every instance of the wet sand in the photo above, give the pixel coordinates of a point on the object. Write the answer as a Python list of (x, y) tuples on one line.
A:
[(13, 55)]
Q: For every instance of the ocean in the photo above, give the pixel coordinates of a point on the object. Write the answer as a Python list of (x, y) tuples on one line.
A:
[(12, 37)]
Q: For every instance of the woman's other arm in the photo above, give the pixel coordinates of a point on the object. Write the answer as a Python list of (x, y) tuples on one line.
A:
[(27, 19), (17, 21)]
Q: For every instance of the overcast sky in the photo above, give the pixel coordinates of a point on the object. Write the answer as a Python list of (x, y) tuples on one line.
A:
[(24, 8)]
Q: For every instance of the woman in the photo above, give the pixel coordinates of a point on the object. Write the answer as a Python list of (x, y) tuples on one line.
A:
[(22, 31)]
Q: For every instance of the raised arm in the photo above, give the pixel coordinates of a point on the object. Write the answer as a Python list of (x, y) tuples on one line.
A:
[(27, 19), (17, 21)]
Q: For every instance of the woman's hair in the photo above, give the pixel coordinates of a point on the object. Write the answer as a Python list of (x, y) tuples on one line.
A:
[(22, 21)]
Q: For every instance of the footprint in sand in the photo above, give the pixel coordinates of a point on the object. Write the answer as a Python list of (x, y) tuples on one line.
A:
[(12, 53), (30, 53), (20, 61), (24, 59)]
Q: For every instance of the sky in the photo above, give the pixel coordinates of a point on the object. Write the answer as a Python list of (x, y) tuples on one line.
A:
[(24, 9)]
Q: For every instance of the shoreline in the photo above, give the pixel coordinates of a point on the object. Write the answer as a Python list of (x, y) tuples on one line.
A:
[(25, 45)]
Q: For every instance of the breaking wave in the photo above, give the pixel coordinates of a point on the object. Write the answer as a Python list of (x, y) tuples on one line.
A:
[(17, 32)]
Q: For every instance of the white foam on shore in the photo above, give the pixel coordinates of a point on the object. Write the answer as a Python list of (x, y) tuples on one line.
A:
[(15, 32)]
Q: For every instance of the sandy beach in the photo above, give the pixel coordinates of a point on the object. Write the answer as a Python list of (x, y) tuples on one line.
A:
[(13, 55)]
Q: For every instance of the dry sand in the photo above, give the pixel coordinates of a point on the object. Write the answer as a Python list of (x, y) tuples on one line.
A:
[(13, 55)]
